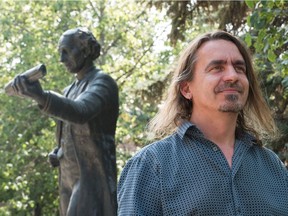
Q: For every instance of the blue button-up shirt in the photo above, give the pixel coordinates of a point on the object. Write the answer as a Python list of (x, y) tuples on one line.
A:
[(186, 174)]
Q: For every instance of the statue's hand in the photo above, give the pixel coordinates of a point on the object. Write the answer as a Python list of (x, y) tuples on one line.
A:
[(53, 159), (33, 90)]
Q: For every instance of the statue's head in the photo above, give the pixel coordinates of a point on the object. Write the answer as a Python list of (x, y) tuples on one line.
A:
[(78, 47)]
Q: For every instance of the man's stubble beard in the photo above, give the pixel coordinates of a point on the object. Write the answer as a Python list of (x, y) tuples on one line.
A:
[(232, 104)]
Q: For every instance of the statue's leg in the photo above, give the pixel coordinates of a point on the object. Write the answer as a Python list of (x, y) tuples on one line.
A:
[(65, 194), (67, 179), (72, 208)]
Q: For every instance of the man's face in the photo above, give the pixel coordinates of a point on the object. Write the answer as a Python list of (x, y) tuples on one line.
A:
[(220, 82), (71, 53)]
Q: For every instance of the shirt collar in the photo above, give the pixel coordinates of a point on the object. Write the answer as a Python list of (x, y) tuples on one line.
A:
[(246, 137), (189, 127)]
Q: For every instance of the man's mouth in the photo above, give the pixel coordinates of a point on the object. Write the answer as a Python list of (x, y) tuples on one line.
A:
[(229, 88)]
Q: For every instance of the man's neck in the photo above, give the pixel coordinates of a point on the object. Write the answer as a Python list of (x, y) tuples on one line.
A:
[(218, 127)]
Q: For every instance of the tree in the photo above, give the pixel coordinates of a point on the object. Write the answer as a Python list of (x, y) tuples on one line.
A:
[(225, 15), (267, 37), (30, 32)]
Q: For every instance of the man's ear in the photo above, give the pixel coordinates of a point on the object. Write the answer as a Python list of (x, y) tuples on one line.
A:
[(185, 90)]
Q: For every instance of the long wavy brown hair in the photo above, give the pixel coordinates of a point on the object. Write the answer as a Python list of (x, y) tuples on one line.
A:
[(256, 117)]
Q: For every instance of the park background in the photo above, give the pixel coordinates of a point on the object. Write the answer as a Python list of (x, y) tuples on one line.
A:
[(140, 41)]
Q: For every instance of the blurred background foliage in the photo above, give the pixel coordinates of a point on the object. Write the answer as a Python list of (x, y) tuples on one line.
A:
[(140, 42)]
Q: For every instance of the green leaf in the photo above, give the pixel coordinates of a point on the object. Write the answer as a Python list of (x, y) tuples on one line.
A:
[(285, 82), (248, 39), (250, 3), (271, 56)]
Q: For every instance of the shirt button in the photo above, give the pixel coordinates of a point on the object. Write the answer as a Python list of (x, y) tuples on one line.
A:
[(215, 148)]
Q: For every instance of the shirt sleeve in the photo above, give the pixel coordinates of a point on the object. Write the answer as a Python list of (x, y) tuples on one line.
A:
[(139, 189)]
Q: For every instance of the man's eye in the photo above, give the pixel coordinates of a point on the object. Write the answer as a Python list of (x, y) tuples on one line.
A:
[(240, 69), (217, 68)]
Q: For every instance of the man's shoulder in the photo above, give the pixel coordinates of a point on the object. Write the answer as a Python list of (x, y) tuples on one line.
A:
[(266, 152), (158, 149), (267, 156)]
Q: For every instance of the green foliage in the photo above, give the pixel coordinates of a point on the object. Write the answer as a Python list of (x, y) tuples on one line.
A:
[(131, 47), (201, 15), (269, 34), (267, 38)]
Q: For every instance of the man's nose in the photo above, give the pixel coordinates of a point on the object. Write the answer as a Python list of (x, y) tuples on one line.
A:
[(231, 74)]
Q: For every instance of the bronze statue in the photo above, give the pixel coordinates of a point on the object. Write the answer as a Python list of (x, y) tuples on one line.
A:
[(87, 114)]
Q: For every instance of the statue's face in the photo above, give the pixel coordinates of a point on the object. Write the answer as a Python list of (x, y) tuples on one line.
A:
[(71, 53)]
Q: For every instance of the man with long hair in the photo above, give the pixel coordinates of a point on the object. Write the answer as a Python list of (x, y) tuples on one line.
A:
[(210, 159)]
